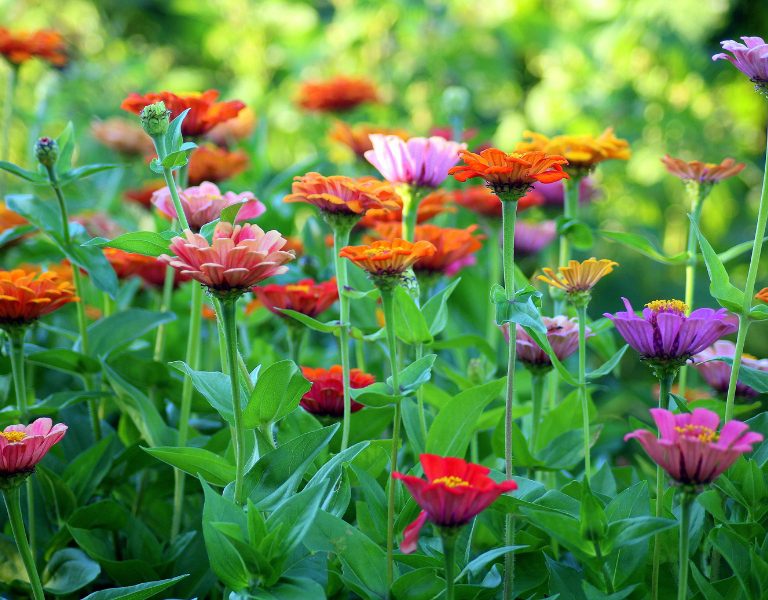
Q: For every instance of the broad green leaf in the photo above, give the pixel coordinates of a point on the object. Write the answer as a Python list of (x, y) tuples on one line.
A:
[(65, 360), (329, 327), (82, 172), (216, 388), (42, 214), (84, 474), (173, 137), (15, 233), (634, 529), (278, 391), (720, 286), (410, 325), (414, 375), (737, 250), (215, 469), (475, 567), (69, 570), (609, 365), (578, 232), (117, 331), (136, 592), (435, 310), (754, 378), (642, 245), (148, 243), (23, 173), (93, 261), (293, 518), (66, 143), (522, 309)]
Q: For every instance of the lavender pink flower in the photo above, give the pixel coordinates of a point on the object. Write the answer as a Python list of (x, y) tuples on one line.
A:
[(532, 237), (718, 373), (751, 57), (22, 447), (418, 161), (689, 447), (552, 193), (562, 334), (203, 203)]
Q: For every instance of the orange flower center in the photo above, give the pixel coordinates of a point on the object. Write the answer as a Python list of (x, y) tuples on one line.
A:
[(451, 481), (668, 306), (698, 432), (376, 251), (13, 436)]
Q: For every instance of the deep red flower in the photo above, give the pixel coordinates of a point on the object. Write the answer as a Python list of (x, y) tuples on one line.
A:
[(211, 163), (452, 494), (20, 46), (305, 296), (338, 94), (326, 396), (143, 195), (481, 200)]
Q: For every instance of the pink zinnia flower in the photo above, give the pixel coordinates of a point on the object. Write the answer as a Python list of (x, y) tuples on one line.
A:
[(552, 193), (718, 373), (751, 57), (22, 447), (203, 203), (421, 162), (532, 237), (562, 334), (690, 449), (239, 257)]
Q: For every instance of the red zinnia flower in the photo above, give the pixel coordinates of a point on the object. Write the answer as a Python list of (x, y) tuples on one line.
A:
[(148, 268), (326, 396), (143, 195), (338, 94), (453, 493), (481, 200), (305, 296), (19, 47)]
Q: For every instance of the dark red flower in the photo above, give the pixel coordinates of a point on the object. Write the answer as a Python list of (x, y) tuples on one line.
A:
[(306, 296), (452, 494), (326, 396)]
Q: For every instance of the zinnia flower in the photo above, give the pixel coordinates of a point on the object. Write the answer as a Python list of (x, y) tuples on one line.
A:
[(204, 114), (578, 278), (433, 204), (718, 373), (356, 137), (149, 269), (239, 257), (510, 174), (563, 337), (22, 447), (343, 196), (751, 58), (338, 94), (98, 224), (305, 296), (204, 203), (708, 173), (418, 161), (326, 396), (20, 46), (532, 237), (481, 200), (10, 219), (385, 261), (665, 337), (143, 195), (762, 295), (234, 129), (214, 164), (122, 136), (583, 152), (689, 447), (25, 296), (453, 493), (553, 194)]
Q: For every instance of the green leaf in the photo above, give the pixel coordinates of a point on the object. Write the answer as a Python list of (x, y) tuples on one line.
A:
[(523, 309), (173, 137), (216, 388), (576, 231), (39, 213), (720, 286), (215, 469), (179, 158), (66, 143), (737, 250), (293, 518), (754, 378), (229, 214), (277, 392), (82, 172), (435, 310), (148, 243), (642, 245), (636, 529), (23, 173), (117, 331), (609, 365), (93, 261), (136, 592), (475, 567), (15, 233), (414, 375), (84, 474), (410, 325), (329, 327), (69, 570), (65, 360)]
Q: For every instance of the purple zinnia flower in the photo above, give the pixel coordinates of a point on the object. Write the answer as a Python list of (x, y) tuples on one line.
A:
[(553, 192), (751, 57), (665, 336), (562, 334), (419, 161), (532, 237), (718, 373)]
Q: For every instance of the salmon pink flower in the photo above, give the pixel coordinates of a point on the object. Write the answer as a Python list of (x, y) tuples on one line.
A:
[(239, 257), (453, 493), (18, 47), (22, 447), (214, 164), (305, 296), (762, 295), (25, 296), (751, 58), (689, 447), (326, 396), (204, 203), (123, 136), (418, 161), (718, 373), (338, 94), (704, 173), (563, 337), (233, 130)]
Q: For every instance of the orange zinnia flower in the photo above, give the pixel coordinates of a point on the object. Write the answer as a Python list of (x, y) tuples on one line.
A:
[(305, 296), (762, 295), (211, 163), (583, 152), (143, 195), (19, 47), (233, 130), (338, 94), (148, 268), (122, 136), (356, 137), (386, 260), (10, 219), (343, 195), (204, 114), (431, 205), (578, 278), (510, 174), (25, 296), (710, 173), (481, 200)]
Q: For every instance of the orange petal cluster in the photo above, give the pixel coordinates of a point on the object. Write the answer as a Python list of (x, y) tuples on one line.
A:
[(305, 296), (583, 152), (27, 295), (338, 94), (20, 46), (762, 295), (578, 276), (122, 135), (356, 137), (148, 268), (10, 219), (387, 258), (431, 205), (702, 172), (215, 164), (338, 194)]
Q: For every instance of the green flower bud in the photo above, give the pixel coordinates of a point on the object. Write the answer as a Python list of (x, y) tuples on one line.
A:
[(155, 119), (456, 100), (47, 151)]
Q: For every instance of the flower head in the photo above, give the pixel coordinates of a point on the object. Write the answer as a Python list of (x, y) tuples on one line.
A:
[(239, 257), (718, 373), (385, 261), (751, 58), (326, 396), (481, 200), (453, 493), (211, 163), (305, 296), (356, 137), (563, 337), (418, 161), (10, 219), (510, 174), (532, 237), (338, 94), (203, 203), (148, 268), (25, 296), (204, 114), (20, 46), (341, 195), (708, 173), (234, 129), (23, 446), (762, 295), (690, 448), (583, 152), (433, 204), (123, 136), (578, 278), (143, 195), (553, 194)]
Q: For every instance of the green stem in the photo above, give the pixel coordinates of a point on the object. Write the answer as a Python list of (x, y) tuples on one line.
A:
[(665, 385), (360, 354), (12, 498), (449, 554), (606, 573), (165, 304), (537, 400), (229, 316), (411, 198), (16, 337), (388, 303), (420, 399), (193, 360), (171, 183), (295, 334), (685, 525), (7, 119), (582, 314), (340, 239), (570, 211), (494, 274)]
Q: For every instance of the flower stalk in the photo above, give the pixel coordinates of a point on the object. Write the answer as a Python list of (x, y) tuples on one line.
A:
[(686, 500), (582, 313), (448, 536), (12, 497), (229, 318)]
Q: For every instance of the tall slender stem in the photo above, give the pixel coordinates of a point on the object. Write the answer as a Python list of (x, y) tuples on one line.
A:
[(171, 183), (449, 554), (296, 334), (494, 274), (12, 498), (665, 385), (411, 198), (16, 337), (420, 399), (537, 400), (570, 211), (685, 525), (229, 317), (387, 299), (341, 231), (165, 304), (582, 313), (749, 290)]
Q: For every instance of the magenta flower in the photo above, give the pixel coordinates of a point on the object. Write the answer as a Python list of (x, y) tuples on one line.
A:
[(239, 257), (203, 203), (751, 57), (690, 449), (665, 336), (553, 192), (532, 237), (562, 334), (421, 162), (22, 447), (718, 373)]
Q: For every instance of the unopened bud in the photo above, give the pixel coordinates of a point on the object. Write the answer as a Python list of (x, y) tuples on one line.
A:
[(47, 151), (456, 101), (155, 119)]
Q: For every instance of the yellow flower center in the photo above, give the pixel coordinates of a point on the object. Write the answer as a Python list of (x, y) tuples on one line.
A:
[(668, 306), (375, 251), (698, 432), (451, 481), (297, 288), (13, 436)]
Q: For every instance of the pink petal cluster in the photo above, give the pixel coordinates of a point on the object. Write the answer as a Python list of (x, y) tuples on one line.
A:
[(718, 373), (751, 57), (562, 334), (22, 447), (553, 194), (689, 447), (238, 258), (203, 203), (419, 161), (532, 237)]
